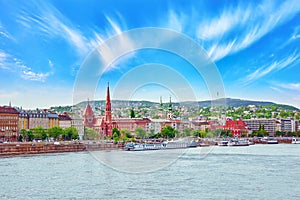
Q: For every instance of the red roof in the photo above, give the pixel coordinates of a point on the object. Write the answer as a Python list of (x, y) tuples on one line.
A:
[(88, 111), (235, 123), (64, 117), (8, 109)]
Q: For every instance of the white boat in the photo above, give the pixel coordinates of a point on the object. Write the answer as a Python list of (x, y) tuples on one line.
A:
[(223, 143), (295, 140), (236, 143), (272, 141), (177, 144)]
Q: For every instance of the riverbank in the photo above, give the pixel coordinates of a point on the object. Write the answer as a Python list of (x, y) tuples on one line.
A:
[(24, 148)]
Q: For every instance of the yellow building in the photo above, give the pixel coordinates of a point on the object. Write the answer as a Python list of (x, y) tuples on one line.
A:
[(53, 120), (23, 120)]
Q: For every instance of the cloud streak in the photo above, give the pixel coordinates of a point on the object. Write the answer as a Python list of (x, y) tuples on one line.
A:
[(3, 60), (263, 19), (236, 27), (12, 64), (290, 86), (4, 33), (272, 67), (50, 22)]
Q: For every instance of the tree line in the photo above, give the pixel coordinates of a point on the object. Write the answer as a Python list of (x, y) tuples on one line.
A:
[(56, 133)]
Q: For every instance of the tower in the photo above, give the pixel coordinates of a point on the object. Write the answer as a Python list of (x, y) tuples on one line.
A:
[(106, 124), (108, 106), (88, 116), (170, 110)]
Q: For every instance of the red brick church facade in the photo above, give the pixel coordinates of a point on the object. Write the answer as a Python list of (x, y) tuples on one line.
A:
[(105, 124)]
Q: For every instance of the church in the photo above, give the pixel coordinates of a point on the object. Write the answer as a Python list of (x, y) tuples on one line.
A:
[(105, 124)]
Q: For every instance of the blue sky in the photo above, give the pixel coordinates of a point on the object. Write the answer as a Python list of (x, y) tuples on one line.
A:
[(255, 45)]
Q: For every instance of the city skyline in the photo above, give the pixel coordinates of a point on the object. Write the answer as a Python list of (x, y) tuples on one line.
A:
[(44, 44)]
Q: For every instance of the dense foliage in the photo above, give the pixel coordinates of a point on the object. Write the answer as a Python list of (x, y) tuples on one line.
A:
[(55, 133)]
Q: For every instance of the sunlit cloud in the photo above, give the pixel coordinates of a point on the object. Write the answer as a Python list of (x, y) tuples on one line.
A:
[(289, 86), (109, 53), (176, 21), (224, 23), (50, 63), (271, 67), (235, 28), (12, 64), (3, 58), (4, 33), (252, 27), (54, 24), (33, 76), (51, 22), (6, 61)]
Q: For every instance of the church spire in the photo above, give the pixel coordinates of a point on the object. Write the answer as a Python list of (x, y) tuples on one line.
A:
[(161, 104), (170, 104), (108, 105)]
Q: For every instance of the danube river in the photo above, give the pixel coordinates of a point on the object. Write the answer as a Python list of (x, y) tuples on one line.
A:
[(253, 172)]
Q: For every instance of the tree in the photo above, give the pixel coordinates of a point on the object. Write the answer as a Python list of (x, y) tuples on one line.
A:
[(30, 135), (55, 132), (168, 132), (116, 131), (225, 133), (261, 131), (203, 134), (187, 132), (89, 133), (210, 134), (132, 114), (125, 132), (140, 132), (23, 134), (39, 132), (70, 133), (197, 133)]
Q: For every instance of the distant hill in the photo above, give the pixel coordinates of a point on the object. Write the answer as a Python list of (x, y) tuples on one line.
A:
[(240, 102), (207, 103)]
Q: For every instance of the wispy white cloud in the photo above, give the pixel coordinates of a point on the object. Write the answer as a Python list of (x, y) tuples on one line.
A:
[(3, 57), (222, 24), (4, 33), (50, 63), (271, 67), (10, 63), (108, 54), (33, 76), (258, 21), (289, 86), (6, 61), (28, 73), (236, 27), (176, 21), (296, 33), (49, 21), (276, 89)]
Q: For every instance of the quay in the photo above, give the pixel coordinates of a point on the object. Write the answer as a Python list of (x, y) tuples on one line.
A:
[(26, 148), (23, 148)]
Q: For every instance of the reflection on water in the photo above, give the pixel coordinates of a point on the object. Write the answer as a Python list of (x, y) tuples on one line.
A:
[(256, 172)]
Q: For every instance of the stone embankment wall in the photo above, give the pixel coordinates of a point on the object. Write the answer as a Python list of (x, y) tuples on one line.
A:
[(93, 146), (12, 149)]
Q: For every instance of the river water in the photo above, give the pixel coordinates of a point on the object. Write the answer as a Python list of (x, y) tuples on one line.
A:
[(253, 172)]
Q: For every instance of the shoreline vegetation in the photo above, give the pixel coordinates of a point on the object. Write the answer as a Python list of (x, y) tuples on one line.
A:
[(29, 148)]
